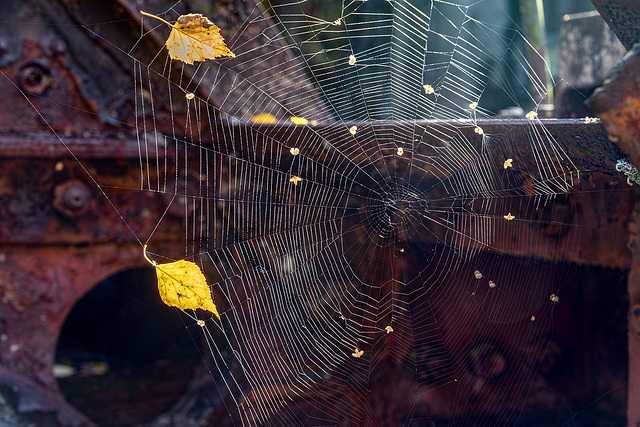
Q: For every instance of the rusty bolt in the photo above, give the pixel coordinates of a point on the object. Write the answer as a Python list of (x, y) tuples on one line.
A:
[(71, 198), (34, 79)]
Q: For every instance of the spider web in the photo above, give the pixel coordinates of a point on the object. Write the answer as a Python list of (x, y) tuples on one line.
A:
[(404, 257)]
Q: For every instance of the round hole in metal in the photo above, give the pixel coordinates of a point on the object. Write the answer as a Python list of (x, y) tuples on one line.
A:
[(122, 351)]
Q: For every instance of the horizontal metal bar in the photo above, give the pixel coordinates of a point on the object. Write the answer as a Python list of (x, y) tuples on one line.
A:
[(586, 144)]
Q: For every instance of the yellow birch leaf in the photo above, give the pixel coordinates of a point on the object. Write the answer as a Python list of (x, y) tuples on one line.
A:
[(194, 38), (181, 284)]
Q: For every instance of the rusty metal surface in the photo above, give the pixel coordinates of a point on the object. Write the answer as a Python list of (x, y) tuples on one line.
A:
[(33, 314), (92, 145), (586, 144), (617, 103), (564, 370), (36, 207), (58, 238), (623, 17), (67, 242)]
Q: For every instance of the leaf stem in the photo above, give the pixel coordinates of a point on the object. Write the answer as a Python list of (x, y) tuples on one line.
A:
[(158, 18), (144, 252)]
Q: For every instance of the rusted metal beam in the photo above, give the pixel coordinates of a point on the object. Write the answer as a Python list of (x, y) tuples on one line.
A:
[(97, 146), (586, 144), (617, 103)]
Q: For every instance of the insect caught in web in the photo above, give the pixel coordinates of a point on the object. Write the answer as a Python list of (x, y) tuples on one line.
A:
[(509, 217), (295, 151), (492, 284), (352, 59), (477, 274), (389, 329), (190, 96), (428, 89), (508, 163), (357, 352), (353, 130), (554, 298), (478, 130), (532, 115), (400, 151), (295, 180), (200, 323)]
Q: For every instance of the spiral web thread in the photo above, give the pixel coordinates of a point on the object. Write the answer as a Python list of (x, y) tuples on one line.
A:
[(402, 219)]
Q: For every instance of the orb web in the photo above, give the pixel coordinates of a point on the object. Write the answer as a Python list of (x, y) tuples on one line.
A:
[(362, 223)]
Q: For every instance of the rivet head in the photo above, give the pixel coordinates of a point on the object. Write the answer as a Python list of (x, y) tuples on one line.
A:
[(71, 198), (34, 79)]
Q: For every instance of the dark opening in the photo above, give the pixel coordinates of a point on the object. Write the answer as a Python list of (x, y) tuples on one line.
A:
[(123, 357)]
